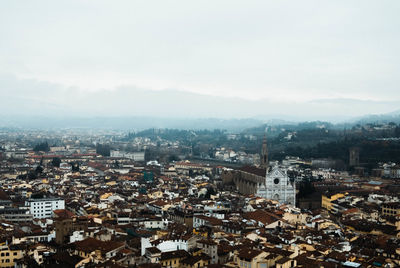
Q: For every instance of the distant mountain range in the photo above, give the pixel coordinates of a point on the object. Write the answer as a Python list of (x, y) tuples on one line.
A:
[(378, 118), (128, 123), (35, 104), (26, 97)]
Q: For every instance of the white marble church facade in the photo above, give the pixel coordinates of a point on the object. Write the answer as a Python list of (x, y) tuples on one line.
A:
[(278, 186)]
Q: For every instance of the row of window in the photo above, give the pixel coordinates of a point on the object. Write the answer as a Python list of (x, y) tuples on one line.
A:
[(42, 215), (40, 239), (41, 203), (46, 207), (394, 212), (245, 264), (8, 260), (42, 206), (18, 217), (7, 254)]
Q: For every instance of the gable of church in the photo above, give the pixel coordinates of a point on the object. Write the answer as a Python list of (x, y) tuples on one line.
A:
[(276, 173)]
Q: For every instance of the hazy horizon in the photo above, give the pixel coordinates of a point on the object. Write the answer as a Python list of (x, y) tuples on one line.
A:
[(305, 60)]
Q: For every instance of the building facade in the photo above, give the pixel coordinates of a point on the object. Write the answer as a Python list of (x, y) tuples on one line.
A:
[(9, 254), (270, 183), (278, 186), (16, 214), (42, 208)]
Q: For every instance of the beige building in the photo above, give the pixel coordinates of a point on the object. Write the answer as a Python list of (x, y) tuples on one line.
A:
[(250, 258), (327, 200), (9, 255), (391, 209)]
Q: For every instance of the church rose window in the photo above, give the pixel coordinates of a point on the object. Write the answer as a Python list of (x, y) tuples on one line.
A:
[(276, 180)]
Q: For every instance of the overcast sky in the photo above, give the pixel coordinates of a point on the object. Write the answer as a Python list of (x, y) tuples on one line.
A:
[(288, 53)]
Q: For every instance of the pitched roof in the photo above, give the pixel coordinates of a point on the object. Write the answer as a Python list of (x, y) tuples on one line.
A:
[(261, 216), (174, 254), (63, 213), (91, 244), (4, 195), (254, 170), (248, 253), (153, 250), (191, 260)]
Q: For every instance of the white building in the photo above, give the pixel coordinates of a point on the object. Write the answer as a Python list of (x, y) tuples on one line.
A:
[(135, 156), (278, 186), (43, 207), (168, 245), (156, 223)]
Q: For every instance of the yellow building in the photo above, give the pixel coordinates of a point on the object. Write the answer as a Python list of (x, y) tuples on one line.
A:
[(327, 200), (200, 260), (391, 209), (285, 263), (200, 232), (172, 259), (105, 196), (249, 258), (156, 194), (9, 254)]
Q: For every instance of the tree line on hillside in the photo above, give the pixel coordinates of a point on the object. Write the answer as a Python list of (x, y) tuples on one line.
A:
[(371, 151), (43, 147)]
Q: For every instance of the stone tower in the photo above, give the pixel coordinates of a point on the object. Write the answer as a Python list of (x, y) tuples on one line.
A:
[(354, 159), (264, 154)]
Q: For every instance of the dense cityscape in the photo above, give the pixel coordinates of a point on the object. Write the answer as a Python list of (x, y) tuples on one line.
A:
[(199, 134), (198, 198)]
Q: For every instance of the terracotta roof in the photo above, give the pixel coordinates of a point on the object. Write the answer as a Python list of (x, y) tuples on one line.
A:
[(63, 213), (78, 155), (159, 203), (153, 250), (4, 195), (174, 254), (46, 156), (91, 244), (350, 210), (191, 260), (261, 216), (64, 259), (213, 221), (207, 242), (248, 254), (254, 170)]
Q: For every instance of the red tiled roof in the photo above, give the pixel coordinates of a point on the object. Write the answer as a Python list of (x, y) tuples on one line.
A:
[(254, 170), (78, 155), (261, 216), (46, 156), (63, 213), (91, 244), (248, 254)]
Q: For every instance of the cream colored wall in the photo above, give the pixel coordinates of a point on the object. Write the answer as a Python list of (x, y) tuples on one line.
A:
[(11, 257)]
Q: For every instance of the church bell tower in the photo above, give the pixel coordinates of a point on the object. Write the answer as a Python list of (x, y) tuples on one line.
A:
[(264, 154)]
